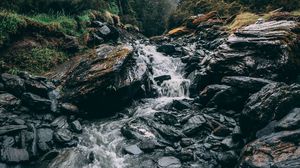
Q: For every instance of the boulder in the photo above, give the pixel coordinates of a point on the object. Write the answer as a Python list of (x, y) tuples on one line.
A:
[(45, 137), (280, 150), (13, 155), (14, 84), (249, 84), (99, 80), (76, 126), (37, 103), (169, 161), (9, 101), (290, 121), (272, 102), (267, 50), (133, 150), (11, 128)]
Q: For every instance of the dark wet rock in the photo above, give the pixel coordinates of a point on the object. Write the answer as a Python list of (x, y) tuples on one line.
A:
[(8, 141), (166, 118), (13, 155), (13, 84), (37, 87), (94, 40), (60, 122), (194, 125), (181, 105), (231, 143), (210, 91), (186, 142), (246, 83), (45, 136), (11, 128), (110, 75), (104, 30), (222, 131), (2, 88), (133, 150), (168, 132), (97, 24), (160, 79), (148, 145), (63, 136), (272, 102), (50, 155), (276, 150), (71, 44), (230, 99), (36, 102), (147, 164), (69, 108), (169, 49), (138, 129), (186, 155), (290, 122), (169, 161), (8, 100), (228, 159), (267, 130), (76, 126), (19, 121), (267, 50)]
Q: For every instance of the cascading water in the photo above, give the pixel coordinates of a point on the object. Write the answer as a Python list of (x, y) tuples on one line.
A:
[(104, 138)]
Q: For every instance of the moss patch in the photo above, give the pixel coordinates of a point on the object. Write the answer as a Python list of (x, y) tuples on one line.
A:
[(36, 60)]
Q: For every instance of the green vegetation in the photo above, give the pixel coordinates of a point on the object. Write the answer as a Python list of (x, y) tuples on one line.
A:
[(9, 24), (229, 8), (243, 19), (35, 60)]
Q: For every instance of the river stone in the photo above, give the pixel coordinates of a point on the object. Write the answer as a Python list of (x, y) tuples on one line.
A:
[(45, 135), (8, 100), (169, 161), (104, 30), (290, 122), (13, 155), (280, 150), (60, 122), (133, 150), (272, 102), (69, 108), (247, 83), (13, 83), (76, 126), (63, 136), (36, 102), (8, 141), (11, 128)]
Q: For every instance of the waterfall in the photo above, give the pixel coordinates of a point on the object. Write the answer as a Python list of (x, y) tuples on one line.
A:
[(104, 139)]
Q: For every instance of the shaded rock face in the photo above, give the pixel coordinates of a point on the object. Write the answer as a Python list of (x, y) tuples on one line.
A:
[(28, 128), (105, 81), (268, 50), (272, 102), (276, 150)]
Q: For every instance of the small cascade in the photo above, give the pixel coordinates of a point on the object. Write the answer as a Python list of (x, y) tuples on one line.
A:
[(104, 139)]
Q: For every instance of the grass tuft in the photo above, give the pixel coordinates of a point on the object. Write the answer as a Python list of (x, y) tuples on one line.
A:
[(243, 19)]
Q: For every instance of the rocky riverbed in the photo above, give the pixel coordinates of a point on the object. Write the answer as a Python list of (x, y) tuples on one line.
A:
[(198, 96)]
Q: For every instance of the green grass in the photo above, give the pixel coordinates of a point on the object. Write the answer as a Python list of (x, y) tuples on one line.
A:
[(36, 60), (66, 24), (9, 24), (243, 19)]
